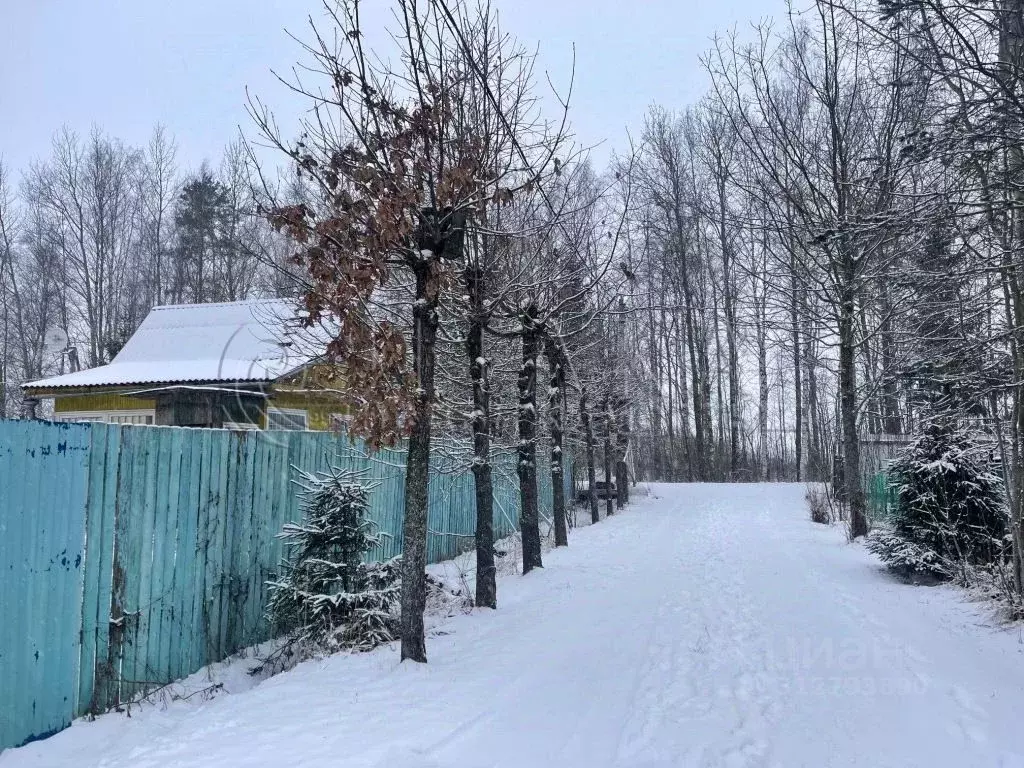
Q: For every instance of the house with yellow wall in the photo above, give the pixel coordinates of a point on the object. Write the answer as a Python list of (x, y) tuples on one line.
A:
[(235, 365)]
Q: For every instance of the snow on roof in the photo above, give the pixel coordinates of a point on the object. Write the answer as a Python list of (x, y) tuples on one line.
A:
[(242, 341)]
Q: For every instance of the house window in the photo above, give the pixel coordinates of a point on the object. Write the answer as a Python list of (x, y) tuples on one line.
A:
[(78, 417), (287, 418), (137, 418), (130, 418), (241, 426)]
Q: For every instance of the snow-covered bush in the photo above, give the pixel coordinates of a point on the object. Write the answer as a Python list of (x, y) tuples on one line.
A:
[(820, 504), (950, 510), (326, 597), (907, 558)]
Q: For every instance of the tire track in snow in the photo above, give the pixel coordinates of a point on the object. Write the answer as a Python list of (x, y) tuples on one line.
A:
[(699, 676)]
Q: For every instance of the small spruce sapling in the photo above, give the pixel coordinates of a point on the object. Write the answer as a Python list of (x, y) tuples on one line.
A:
[(327, 598), (950, 510)]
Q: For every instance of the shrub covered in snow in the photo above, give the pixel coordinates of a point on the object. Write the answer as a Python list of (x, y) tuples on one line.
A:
[(327, 597), (950, 510), (907, 558), (820, 504)]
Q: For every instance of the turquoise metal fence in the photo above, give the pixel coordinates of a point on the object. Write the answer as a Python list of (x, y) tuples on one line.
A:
[(44, 473), (133, 556)]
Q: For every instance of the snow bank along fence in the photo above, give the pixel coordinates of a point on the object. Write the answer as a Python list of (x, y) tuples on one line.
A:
[(134, 556)]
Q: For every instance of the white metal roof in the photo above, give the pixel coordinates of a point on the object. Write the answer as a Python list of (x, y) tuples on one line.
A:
[(243, 341)]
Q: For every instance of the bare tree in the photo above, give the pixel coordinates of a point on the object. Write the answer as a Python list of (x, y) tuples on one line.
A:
[(401, 171)]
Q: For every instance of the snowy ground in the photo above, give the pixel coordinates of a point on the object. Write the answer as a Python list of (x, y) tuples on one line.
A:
[(707, 626)]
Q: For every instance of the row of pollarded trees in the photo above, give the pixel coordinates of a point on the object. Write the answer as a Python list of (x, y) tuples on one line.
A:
[(827, 244), (454, 242)]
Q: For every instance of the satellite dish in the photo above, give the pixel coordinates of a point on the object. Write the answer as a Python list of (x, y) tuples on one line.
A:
[(55, 341)]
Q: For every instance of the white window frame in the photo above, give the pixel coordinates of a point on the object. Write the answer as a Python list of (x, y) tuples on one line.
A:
[(290, 412), (241, 426), (109, 417), (79, 417)]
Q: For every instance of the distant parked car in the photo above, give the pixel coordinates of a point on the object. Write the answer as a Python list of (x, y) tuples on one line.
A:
[(602, 490)]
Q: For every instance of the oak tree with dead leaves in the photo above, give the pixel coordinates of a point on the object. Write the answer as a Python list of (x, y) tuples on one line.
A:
[(404, 155)]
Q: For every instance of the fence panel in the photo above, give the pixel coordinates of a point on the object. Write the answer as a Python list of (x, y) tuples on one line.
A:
[(133, 556), (44, 470), (94, 660)]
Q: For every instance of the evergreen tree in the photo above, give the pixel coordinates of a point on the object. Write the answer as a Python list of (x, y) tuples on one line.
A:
[(327, 595), (201, 220), (950, 510)]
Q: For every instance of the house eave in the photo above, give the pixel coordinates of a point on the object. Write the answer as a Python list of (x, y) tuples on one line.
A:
[(136, 389)]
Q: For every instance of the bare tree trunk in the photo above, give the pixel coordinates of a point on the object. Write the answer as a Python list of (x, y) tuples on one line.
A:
[(812, 420), (4, 355), (608, 427), (853, 489), (486, 584), (1017, 508), (1014, 307), (762, 400), (526, 469), (732, 346), (1011, 52), (720, 446), (622, 435), (705, 391), (891, 421), (654, 348), (556, 394), (591, 446), (673, 459), (699, 431), (798, 407), (417, 476)]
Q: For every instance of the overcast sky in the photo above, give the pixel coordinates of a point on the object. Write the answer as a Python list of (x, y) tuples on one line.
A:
[(126, 65)]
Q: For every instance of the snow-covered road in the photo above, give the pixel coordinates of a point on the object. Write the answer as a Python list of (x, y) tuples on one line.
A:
[(706, 626)]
